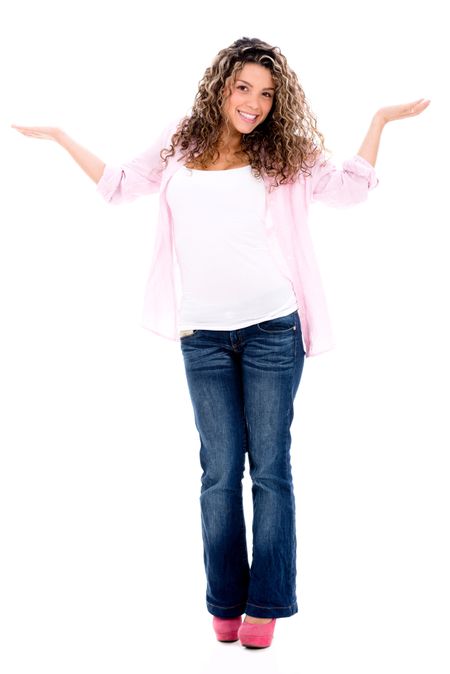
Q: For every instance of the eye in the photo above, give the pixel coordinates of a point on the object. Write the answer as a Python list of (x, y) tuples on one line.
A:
[(243, 86)]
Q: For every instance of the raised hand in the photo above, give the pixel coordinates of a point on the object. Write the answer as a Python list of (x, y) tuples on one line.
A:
[(90, 164), (392, 112), (47, 132)]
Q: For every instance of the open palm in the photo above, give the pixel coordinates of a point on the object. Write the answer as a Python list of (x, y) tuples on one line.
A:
[(47, 132), (392, 112)]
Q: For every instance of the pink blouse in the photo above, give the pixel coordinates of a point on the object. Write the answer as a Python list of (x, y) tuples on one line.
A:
[(286, 222)]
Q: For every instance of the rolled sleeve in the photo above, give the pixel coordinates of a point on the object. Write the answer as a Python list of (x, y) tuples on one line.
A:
[(120, 184), (343, 187), (361, 167), (138, 176), (109, 183)]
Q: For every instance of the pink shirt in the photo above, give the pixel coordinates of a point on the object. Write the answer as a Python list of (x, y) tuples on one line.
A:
[(286, 220)]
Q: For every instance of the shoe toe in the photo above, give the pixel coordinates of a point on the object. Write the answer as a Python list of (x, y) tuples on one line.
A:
[(256, 635)]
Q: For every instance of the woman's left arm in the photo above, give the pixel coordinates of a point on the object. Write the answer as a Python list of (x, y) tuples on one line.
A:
[(369, 147), (351, 184)]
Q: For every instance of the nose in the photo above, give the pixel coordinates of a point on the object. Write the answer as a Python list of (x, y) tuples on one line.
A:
[(253, 106)]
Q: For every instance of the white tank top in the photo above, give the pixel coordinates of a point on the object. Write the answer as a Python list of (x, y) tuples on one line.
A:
[(229, 277)]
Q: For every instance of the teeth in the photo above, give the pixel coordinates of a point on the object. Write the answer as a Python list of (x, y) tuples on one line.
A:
[(247, 116)]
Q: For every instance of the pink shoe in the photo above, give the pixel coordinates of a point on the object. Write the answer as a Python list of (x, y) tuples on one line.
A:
[(254, 635), (226, 629)]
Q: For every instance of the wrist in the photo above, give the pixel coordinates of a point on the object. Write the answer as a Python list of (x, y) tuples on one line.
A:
[(59, 136)]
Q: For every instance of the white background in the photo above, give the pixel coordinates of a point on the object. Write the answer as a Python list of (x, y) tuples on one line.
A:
[(101, 565)]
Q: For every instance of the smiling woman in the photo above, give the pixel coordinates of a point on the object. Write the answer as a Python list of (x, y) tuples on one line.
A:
[(250, 109), (251, 306), (236, 179)]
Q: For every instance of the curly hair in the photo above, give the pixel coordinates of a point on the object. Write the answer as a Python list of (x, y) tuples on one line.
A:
[(280, 145)]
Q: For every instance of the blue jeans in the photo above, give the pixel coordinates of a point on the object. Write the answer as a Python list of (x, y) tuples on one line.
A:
[(242, 384)]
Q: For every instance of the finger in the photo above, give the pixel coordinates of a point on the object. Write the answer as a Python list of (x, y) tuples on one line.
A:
[(421, 102), (418, 106), (23, 128), (410, 106)]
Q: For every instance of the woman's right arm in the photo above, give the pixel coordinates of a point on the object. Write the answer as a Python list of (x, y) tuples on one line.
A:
[(116, 184), (90, 164)]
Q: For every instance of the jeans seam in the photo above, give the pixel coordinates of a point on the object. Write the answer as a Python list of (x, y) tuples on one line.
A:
[(227, 607), (269, 608)]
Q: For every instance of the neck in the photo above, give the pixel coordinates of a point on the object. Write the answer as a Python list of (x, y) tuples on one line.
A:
[(230, 142)]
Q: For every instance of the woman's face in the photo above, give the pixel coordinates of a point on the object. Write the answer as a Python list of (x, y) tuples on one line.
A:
[(250, 99)]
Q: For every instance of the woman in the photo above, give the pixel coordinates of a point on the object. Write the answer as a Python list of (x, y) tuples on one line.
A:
[(234, 279)]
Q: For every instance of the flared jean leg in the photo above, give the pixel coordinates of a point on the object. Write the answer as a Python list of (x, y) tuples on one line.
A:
[(215, 385), (270, 381)]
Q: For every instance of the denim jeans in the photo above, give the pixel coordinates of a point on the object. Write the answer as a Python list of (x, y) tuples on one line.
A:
[(242, 384)]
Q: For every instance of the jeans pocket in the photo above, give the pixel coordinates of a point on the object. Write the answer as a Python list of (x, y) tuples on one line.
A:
[(278, 325)]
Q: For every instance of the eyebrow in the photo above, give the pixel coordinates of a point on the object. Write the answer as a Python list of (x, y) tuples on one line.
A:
[(251, 85)]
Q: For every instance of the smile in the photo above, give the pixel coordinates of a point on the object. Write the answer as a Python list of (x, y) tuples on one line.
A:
[(246, 117)]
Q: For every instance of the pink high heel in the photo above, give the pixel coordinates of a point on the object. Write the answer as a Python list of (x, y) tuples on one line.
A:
[(256, 635), (226, 629)]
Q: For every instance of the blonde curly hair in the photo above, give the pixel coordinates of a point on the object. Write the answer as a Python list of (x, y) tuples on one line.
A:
[(280, 146)]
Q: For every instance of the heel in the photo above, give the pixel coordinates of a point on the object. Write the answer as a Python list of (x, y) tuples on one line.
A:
[(226, 629)]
